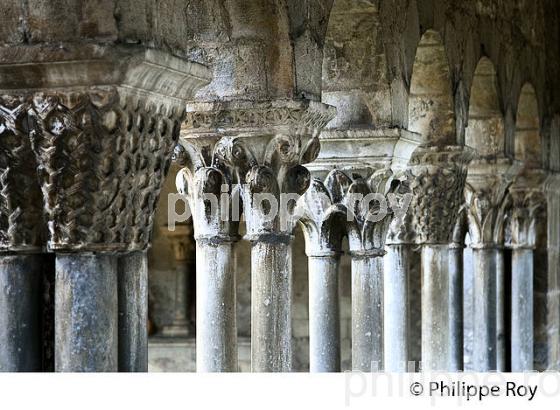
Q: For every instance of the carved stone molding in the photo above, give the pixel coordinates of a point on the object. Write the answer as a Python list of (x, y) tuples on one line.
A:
[(438, 176), (364, 150), (101, 150), (486, 199)]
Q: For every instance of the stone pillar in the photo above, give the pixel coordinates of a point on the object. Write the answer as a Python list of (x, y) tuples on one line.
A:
[(367, 311), (86, 313), (437, 182), (397, 324), (21, 242), (183, 250), (456, 303), (215, 233), (324, 313), (527, 202), (485, 307), (254, 150), (101, 134), (500, 311), (21, 284), (324, 227), (133, 312)]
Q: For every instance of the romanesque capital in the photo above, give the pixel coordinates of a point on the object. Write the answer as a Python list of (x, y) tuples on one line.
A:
[(98, 135), (438, 176), (351, 206), (527, 206), (259, 148), (486, 198)]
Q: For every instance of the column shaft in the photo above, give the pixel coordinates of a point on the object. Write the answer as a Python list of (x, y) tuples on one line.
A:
[(522, 310), (86, 313), (456, 306), (216, 328), (396, 308), (485, 309), (500, 312), (271, 311), (439, 343), (20, 313), (367, 313), (324, 314), (133, 312)]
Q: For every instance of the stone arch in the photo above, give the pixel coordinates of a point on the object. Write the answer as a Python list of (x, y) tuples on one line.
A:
[(527, 140), (430, 110), (485, 130), (354, 75)]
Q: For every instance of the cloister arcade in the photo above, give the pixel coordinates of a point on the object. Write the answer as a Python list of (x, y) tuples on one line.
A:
[(453, 106)]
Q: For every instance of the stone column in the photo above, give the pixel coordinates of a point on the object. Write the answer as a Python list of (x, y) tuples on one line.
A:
[(527, 202), (102, 131), (21, 243), (209, 194), (183, 250), (133, 312), (256, 150), (396, 307), (21, 284), (456, 303), (500, 311), (324, 227), (487, 184), (438, 179)]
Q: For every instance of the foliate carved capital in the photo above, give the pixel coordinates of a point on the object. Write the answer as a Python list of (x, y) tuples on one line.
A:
[(259, 147), (349, 206), (528, 205), (438, 179), (486, 199), (101, 151)]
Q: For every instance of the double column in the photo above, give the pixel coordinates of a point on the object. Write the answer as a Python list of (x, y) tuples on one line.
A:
[(528, 203), (256, 150), (486, 204), (438, 180), (99, 156)]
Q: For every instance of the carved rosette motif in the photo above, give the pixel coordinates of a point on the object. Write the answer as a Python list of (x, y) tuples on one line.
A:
[(256, 151), (347, 206), (97, 155), (438, 176)]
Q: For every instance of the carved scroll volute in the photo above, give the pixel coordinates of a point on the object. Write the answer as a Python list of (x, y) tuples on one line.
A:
[(20, 194)]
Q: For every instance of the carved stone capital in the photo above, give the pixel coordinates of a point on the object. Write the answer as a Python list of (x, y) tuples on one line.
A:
[(347, 206), (438, 176), (528, 205), (101, 141), (486, 199), (259, 148)]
